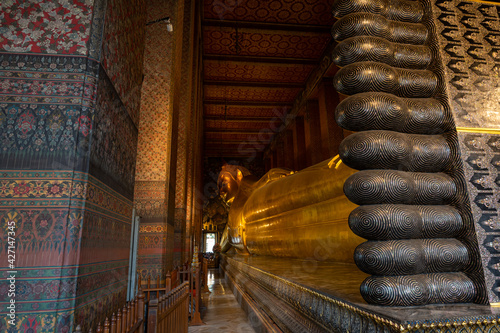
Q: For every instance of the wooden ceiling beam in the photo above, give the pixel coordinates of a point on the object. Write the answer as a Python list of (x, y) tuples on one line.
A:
[(269, 60), (247, 103), (235, 131), (243, 119), (234, 141), (316, 29), (229, 154), (236, 150), (252, 84)]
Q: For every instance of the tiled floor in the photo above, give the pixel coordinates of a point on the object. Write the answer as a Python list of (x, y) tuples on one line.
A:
[(223, 314)]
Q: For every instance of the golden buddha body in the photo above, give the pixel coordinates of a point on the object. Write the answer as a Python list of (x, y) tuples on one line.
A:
[(290, 214)]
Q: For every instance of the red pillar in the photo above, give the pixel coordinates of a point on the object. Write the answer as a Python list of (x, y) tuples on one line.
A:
[(331, 133), (299, 144), (313, 133), (288, 149)]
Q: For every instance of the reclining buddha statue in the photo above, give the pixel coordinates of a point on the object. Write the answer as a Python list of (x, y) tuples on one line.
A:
[(409, 197), (289, 214)]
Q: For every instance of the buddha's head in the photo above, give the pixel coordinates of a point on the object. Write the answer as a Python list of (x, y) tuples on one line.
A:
[(229, 181)]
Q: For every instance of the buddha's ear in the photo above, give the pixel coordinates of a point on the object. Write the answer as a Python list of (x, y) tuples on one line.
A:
[(239, 175)]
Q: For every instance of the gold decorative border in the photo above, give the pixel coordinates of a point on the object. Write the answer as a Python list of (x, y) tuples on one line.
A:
[(487, 2), (463, 326), (479, 130)]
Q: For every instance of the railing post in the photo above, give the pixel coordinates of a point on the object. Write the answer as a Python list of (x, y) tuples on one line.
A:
[(196, 318), (113, 324), (153, 316), (119, 321), (139, 279), (158, 286), (205, 275), (129, 315), (106, 325), (168, 282), (140, 299), (124, 318)]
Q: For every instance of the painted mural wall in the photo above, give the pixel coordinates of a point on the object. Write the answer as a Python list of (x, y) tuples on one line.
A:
[(68, 133), (154, 144)]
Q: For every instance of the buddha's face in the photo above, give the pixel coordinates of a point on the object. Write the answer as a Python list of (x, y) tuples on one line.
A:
[(228, 186)]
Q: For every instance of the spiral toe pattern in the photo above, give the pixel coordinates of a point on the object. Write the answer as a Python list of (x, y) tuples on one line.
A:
[(374, 76), (421, 289), (370, 187), (366, 24), (393, 150), (411, 256), (388, 222), (368, 48), (395, 104), (407, 11), (382, 111)]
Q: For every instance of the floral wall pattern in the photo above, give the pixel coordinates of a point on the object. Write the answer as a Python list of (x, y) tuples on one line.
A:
[(123, 49), (154, 144), (67, 159), (45, 26)]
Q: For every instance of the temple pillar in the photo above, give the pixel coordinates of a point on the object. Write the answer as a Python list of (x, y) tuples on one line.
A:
[(267, 163), (157, 153), (67, 162), (280, 154), (183, 130), (288, 150), (312, 131), (195, 137), (331, 133), (299, 144)]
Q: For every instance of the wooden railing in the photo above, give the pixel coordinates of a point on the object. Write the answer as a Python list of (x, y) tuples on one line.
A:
[(205, 274), (171, 281), (130, 319), (169, 313)]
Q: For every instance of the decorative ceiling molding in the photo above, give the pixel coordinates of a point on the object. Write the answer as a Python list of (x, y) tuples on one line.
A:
[(271, 60), (267, 26), (282, 85), (308, 12), (248, 103), (243, 119)]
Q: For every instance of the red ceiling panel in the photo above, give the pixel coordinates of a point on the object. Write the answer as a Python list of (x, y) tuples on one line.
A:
[(273, 123), (312, 12), (246, 111), (266, 43), (244, 137), (261, 94), (255, 72)]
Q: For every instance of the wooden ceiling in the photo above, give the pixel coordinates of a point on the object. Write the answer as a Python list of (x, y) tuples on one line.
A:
[(257, 57)]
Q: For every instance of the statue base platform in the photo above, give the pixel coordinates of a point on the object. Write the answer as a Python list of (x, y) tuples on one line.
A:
[(293, 295)]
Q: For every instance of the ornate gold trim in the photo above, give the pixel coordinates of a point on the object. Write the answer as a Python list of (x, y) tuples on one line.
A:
[(478, 130), (258, 275), (488, 2)]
